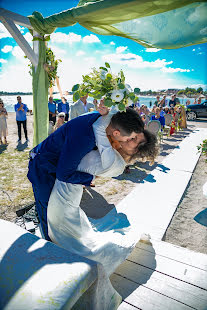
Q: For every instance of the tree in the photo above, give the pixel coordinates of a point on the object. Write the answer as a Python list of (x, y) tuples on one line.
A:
[(200, 90), (137, 90)]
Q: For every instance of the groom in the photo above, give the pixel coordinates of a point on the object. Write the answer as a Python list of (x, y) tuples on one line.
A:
[(59, 155)]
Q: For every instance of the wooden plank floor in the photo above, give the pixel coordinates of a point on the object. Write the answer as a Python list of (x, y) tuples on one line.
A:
[(162, 276)]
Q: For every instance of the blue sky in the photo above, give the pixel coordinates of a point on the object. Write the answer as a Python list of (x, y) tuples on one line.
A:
[(81, 50)]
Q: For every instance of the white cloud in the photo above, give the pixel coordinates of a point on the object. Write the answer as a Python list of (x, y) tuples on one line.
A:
[(90, 60), (59, 37), (204, 86), (152, 50), (21, 29), (91, 39), (59, 52), (193, 50), (80, 53), (17, 52), (3, 60), (173, 70), (135, 61), (16, 78), (121, 49), (203, 31), (200, 53), (3, 32), (7, 49), (112, 43), (73, 37), (28, 37)]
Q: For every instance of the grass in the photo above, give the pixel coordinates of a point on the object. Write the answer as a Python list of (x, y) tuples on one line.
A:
[(15, 189)]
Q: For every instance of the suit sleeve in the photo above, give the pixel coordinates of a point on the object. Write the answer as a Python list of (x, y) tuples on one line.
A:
[(79, 141)]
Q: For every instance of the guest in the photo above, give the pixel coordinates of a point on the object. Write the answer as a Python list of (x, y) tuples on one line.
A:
[(95, 103), (60, 120), (3, 123), (80, 107), (157, 101), (187, 102), (173, 125), (166, 110), (63, 106), (52, 110), (199, 100), (158, 117), (21, 118), (153, 109), (195, 101), (146, 110), (182, 120)]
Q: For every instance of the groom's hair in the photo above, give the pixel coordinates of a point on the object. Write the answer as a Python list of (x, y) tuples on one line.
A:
[(127, 122)]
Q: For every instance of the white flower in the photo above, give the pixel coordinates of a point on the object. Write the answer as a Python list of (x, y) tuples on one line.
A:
[(117, 95)]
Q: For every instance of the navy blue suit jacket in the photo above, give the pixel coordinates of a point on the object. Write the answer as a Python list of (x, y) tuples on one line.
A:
[(58, 156)]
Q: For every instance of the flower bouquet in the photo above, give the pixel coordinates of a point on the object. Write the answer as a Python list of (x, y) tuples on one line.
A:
[(102, 83)]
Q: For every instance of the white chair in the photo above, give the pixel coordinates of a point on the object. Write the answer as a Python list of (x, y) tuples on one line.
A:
[(155, 127), (168, 122)]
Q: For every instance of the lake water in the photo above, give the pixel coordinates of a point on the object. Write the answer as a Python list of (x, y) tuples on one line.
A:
[(10, 101)]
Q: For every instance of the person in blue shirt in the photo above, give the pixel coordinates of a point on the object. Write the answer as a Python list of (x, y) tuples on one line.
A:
[(158, 117), (21, 118), (63, 106), (52, 110)]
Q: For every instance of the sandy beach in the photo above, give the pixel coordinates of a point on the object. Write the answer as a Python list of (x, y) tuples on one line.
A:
[(188, 226)]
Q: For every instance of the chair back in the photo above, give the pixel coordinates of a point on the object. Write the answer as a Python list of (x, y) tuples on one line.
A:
[(154, 126), (168, 119)]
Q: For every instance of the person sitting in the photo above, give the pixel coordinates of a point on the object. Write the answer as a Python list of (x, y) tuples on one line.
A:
[(158, 117), (60, 120), (166, 110)]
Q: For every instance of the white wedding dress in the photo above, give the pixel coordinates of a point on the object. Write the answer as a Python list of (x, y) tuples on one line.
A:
[(108, 240)]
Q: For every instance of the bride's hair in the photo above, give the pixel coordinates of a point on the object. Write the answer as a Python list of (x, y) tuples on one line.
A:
[(147, 151)]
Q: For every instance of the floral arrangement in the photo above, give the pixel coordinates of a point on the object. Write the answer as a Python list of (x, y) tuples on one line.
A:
[(102, 83)]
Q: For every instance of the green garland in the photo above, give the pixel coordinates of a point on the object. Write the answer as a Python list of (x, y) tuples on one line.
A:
[(51, 64)]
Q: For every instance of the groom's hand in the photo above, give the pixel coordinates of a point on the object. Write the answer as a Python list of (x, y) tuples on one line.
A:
[(102, 109)]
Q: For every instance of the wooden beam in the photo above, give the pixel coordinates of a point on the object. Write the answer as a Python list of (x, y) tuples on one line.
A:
[(16, 18), (21, 41)]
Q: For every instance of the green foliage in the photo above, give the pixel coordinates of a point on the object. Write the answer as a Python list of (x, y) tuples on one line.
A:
[(52, 64), (137, 90), (203, 148), (102, 83)]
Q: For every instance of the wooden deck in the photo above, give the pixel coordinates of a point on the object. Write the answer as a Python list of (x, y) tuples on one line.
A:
[(162, 276)]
